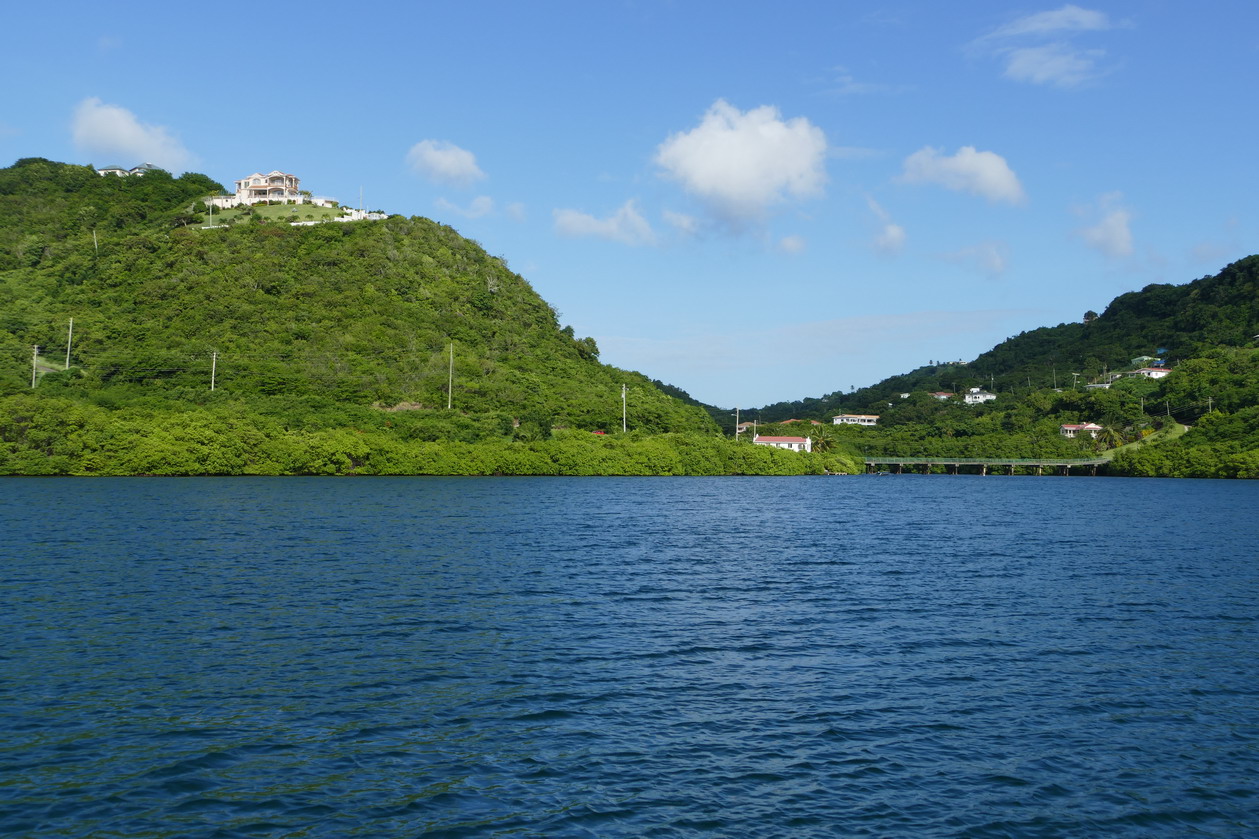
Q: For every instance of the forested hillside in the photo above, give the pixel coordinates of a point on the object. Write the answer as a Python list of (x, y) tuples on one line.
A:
[(1203, 333), (1175, 322), (232, 346)]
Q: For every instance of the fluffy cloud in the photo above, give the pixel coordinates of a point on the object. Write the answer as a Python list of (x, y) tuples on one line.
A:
[(1111, 234), (625, 225), (1041, 48), (977, 172), (891, 237), (480, 206), (111, 131), (444, 162), (739, 164)]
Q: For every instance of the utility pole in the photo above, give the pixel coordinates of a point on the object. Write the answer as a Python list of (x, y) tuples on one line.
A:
[(623, 389), (34, 365), (736, 423), (214, 367), (450, 381), (95, 243), (69, 339)]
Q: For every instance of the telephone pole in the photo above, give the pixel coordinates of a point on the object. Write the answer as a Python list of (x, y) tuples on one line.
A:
[(450, 383), (34, 365), (623, 409), (69, 339), (214, 367)]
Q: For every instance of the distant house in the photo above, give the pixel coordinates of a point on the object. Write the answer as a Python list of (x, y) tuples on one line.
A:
[(976, 395), (855, 419), (789, 421), (120, 172), (1072, 429), (942, 395), (1151, 372), (795, 444), (744, 426)]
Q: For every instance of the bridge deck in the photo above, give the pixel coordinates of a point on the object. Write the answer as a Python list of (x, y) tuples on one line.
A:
[(955, 464)]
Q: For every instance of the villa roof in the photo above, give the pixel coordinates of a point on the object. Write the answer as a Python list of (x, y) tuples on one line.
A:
[(765, 439)]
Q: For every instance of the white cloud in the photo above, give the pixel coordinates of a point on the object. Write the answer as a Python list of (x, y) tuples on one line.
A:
[(1067, 19), (977, 172), (1041, 48), (989, 257), (681, 222), (480, 206), (891, 237), (742, 163), (847, 85), (626, 225), (444, 162), (792, 244), (516, 211), (1056, 64), (1111, 235), (111, 131)]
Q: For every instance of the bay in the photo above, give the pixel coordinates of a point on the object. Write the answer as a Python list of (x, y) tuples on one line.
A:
[(864, 656)]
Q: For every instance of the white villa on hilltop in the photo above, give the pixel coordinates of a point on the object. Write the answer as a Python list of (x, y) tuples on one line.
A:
[(273, 186)]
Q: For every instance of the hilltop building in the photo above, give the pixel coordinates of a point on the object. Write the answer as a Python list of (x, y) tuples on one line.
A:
[(855, 419), (276, 186), (977, 395), (795, 444), (120, 172)]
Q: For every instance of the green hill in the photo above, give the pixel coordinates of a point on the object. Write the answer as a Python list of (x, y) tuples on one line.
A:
[(378, 335), (1204, 332)]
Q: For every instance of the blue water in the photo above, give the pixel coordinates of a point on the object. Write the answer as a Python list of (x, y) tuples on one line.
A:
[(919, 656)]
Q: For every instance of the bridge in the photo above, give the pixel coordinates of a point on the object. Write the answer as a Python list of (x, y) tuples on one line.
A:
[(954, 465)]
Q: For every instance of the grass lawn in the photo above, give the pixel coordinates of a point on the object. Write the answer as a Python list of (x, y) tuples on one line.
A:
[(278, 212)]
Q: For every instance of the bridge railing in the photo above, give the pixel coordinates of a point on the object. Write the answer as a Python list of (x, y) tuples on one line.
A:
[(983, 461)]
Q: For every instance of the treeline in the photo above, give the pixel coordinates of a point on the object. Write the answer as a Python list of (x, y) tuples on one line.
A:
[(393, 312), (57, 436)]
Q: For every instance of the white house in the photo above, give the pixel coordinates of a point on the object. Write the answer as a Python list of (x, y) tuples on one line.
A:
[(1151, 372), (120, 172), (1072, 429), (259, 188), (855, 419), (976, 395), (795, 444), (943, 395)]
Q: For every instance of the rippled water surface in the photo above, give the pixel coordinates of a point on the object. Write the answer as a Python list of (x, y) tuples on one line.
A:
[(759, 657)]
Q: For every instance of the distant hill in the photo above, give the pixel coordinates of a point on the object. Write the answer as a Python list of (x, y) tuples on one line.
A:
[(1174, 322)]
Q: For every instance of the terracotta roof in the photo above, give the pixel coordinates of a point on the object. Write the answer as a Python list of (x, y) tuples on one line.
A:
[(762, 438)]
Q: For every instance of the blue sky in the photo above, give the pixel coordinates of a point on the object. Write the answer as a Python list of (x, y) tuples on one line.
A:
[(752, 202)]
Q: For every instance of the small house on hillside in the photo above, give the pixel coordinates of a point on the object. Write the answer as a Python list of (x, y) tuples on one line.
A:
[(795, 444), (1151, 372), (855, 419), (943, 395), (120, 172), (977, 395), (1074, 429)]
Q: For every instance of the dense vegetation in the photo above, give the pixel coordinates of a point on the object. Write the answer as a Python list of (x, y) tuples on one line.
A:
[(268, 348), (400, 347), (1203, 332)]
